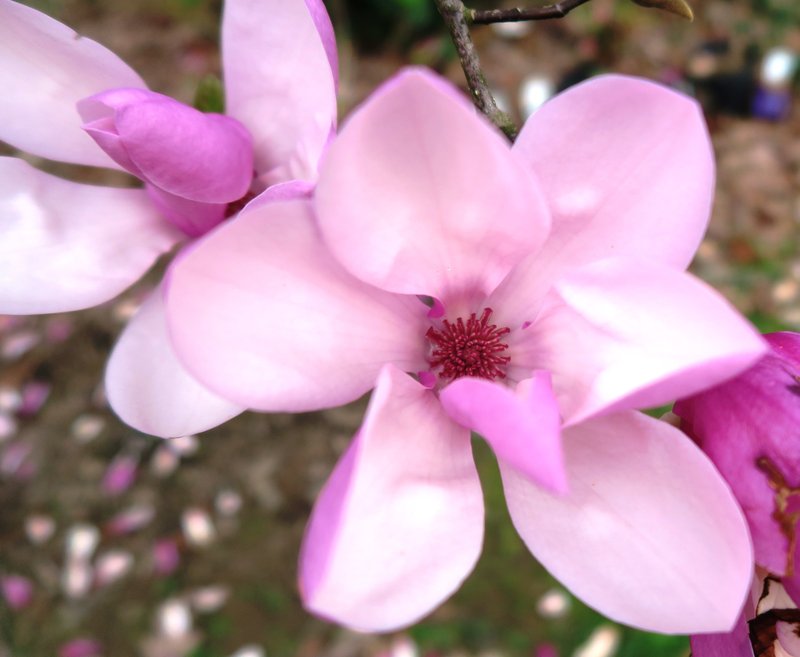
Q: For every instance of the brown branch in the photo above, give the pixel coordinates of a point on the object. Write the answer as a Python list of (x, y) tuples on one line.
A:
[(557, 10), (454, 14)]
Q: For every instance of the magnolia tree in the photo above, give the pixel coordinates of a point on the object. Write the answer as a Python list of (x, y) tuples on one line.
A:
[(527, 286)]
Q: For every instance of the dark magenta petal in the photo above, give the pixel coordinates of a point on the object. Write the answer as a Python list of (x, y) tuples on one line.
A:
[(196, 156), (748, 426), (735, 643)]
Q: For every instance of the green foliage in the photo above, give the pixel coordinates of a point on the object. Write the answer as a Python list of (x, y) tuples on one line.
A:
[(210, 95), (381, 24)]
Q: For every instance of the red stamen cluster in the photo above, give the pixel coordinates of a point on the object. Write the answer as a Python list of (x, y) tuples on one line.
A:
[(470, 348)]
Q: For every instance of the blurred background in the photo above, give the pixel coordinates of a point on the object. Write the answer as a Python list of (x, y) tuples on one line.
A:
[(117, 544)]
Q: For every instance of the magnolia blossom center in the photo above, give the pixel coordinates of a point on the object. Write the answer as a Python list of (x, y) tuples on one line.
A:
[(469, 348)]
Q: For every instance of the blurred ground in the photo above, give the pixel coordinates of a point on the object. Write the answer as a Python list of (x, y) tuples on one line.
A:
[(196, 540)]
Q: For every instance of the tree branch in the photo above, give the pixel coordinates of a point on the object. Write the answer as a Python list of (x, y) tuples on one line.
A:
[(455, 14), (487, 16)]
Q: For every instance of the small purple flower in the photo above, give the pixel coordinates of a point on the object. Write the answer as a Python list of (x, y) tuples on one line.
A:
[(17, 591), (750, 427), (82, 647)]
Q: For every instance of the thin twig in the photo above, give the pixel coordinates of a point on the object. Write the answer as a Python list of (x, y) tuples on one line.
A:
[(557, 10), (454, 14)]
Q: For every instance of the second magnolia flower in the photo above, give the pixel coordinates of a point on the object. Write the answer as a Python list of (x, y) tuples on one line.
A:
[(559, 304)]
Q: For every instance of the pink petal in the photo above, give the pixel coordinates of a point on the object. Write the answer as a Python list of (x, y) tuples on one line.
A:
[(628, 171), (81, 648), (45, 68), (622, 334), (522, 426), (66, 246), (191, 217), (420, 195), (197, 156), (322, 22), (261, 313), (280, 82), (17, 591), (735, 643), (148, 387), (399, 524), (649, 535)]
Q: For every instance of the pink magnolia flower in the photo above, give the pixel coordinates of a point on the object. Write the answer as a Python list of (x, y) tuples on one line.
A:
[(749, 427), (542, 335), (66, 246)]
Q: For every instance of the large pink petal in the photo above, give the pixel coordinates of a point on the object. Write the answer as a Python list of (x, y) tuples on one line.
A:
[(649, 534), (45, 68), (262, 314), (280, 82), (730, 644), (628, 170), (420, 195), (522, 426), (149, 388), (198, 156), (399, 524), (622, 334), (66, 246)]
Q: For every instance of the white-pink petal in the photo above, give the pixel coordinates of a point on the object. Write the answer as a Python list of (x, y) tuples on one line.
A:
[(66, 246), (148, 387), (522, 426), (621, 334), (280, 82), (45, 69), (627, 167), (650, 535), (262, 314), (420, 195), (628, 171), (399, 524)]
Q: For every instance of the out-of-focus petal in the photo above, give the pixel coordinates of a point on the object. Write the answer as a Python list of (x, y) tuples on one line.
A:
[(420, 195), (66, 246), (188, 153), (522, 426), (149, 388), (280, 82), (749, 427), (45, 68), (399, 524), (622, 334), (628, 170), (735, 643), (649, 534), (262, 314)]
